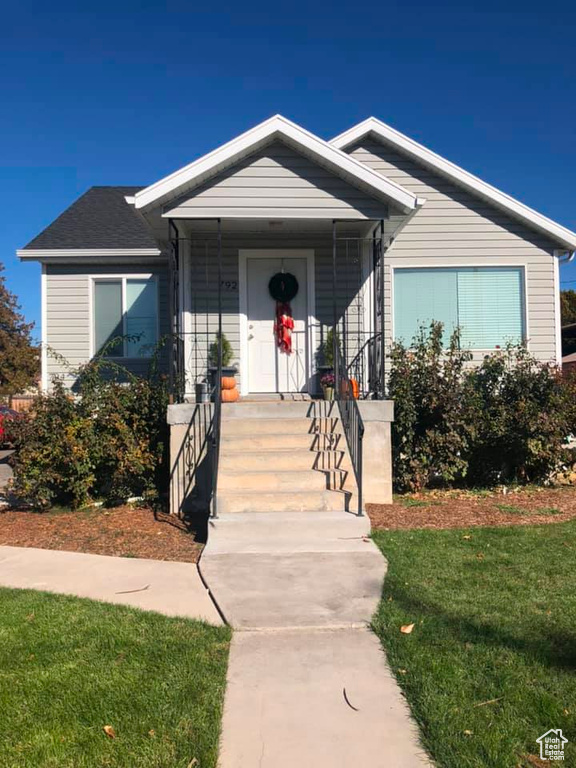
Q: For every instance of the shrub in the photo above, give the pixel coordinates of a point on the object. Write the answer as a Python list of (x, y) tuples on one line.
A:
[(520, 419), (431, 430), (107, 442), (502, 421)]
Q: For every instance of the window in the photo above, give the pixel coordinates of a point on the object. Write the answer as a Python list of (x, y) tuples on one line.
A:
[(127, 307), (487, 303)]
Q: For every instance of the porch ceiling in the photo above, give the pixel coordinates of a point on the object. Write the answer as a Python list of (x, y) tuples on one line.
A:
[(276, 227)]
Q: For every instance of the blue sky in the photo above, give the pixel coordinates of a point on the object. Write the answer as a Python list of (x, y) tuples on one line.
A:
[(125, 92)]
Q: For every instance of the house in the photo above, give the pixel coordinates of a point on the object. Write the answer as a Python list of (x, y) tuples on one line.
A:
[(552, 744), (378, 233)]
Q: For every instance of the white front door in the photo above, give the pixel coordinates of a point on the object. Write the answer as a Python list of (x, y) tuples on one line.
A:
[(269, 369)]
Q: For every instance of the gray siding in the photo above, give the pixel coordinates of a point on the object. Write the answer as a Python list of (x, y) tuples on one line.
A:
[(68, 330), (455, 228), (277, 182)]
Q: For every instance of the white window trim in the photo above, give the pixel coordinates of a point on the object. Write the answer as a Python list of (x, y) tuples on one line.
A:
[(450, 265), (123, 278)]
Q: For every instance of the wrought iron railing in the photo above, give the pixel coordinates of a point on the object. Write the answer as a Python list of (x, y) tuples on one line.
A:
[(216, 425), (366, 368), (352, 423)]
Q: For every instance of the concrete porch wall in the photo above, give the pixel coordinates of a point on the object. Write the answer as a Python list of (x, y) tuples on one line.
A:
[(190, 475), (377, 416)]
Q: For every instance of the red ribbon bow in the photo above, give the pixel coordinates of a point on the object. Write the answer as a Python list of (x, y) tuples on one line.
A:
[(283, 326)]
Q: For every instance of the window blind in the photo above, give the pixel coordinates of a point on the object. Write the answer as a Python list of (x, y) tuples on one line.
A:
[(141, 317), (487, 303), (421, 296), (108, 316)]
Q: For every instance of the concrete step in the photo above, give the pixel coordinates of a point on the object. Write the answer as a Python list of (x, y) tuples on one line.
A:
[(269, 479), (267, 426), (235, 502), (279, 442), (278, 410), (284, 458), (288, 533), (277, 426)]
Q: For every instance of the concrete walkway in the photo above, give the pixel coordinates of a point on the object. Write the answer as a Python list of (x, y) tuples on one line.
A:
[(174, 589), (308, 684)]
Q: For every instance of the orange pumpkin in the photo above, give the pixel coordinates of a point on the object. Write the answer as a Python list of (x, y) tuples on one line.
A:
[(230, 395), (355, 388), (228, 382)]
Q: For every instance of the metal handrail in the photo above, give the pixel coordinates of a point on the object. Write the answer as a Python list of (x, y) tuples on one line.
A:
[(351, 419), (216, 425), (356, 369), (217, 386)]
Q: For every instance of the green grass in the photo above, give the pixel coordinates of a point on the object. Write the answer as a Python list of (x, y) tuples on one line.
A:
[(495, 621), (68, 667), (511, 509), (514, 510)]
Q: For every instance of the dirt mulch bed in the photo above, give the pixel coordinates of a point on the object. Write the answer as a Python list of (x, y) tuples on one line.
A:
[(122, 531), (460, 509)]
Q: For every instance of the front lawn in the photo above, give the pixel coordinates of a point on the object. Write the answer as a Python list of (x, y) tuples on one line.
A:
[(490, 664), (69, 667)]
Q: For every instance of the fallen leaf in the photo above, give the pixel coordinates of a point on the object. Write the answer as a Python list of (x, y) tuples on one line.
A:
[(30, 616), (109, 731), (403, 671), (193, 762), (467, 537), (406, 628), (152, 733), (468, 733)]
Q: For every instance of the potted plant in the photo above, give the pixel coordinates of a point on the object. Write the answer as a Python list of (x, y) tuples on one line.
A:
[(327, 383), (325, 357), (228, 382)]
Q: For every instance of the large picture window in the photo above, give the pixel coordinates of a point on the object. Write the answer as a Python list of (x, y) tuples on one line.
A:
[(125, 307), (486, 303)]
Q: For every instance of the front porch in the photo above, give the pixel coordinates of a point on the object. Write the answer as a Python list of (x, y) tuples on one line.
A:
[(220, 274)]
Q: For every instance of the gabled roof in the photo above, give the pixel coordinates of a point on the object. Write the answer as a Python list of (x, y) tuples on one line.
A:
[(276, 128), (99, 220), (459, 176)]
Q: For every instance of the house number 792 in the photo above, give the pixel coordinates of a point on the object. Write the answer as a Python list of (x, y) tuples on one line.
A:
[(229, 285)]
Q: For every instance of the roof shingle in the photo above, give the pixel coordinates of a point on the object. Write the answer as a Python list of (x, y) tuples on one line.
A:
[(100, 218)]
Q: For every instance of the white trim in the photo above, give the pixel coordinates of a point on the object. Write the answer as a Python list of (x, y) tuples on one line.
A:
[(123, 277), (451, 265), (467, 180), (44, 329), (557, 312), (275, 127), (270, 253), (25, 254)]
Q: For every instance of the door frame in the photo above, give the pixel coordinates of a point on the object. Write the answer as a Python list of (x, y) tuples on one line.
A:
[(276, 253)]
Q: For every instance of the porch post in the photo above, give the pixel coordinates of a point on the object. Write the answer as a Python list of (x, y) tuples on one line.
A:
[(382, 317), (335, 355)]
